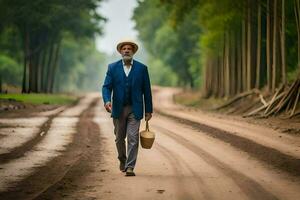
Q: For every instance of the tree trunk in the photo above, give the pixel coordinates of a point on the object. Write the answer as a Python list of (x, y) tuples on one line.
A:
[(54, 67), (249, 56), (227, 72), (244, 56), (30, 78), (283, 55), (210, 75), (35, 71), (32, 63), (45, 68), (206, 78), (258, 55), (191, 81), (219, 74), (49, 65), (26, 52), (233, 76), (239, 62), (268, 45), (297, 16), (1, 89), (214, 74), (219, 63), (39, 47), (274, 65), (42, 71)]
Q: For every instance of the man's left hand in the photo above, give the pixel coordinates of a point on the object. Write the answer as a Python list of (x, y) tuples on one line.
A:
[(148, 116)]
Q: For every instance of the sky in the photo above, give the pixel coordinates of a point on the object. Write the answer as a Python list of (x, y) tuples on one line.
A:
[(119, 24)]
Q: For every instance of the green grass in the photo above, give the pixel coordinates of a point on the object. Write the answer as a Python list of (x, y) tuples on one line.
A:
[(54, 99)]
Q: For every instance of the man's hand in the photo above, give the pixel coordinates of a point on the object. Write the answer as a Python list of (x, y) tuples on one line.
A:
[(108, 107), (148, 116)]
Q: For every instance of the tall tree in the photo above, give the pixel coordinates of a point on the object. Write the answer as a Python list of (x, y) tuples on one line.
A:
[(258, 51), (242, 42), (283, 51), (40, 24)]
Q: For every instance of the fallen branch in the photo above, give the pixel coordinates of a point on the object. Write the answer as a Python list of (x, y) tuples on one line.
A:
[(295, 103), (273, 99), (278, 98), (242, 95), (288, 107), (244, 107), (287, 97), (262, 100), (254, 112)]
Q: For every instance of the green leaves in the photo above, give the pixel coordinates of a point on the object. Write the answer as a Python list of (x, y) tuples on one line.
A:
[(171, 36), (10, 70), (41, 26), (81, 66), (53, 17)]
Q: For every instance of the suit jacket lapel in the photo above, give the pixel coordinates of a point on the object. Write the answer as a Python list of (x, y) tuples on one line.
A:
[(120, 72), (133, 68)]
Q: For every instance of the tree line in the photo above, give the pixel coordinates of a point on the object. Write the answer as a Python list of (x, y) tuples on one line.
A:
[(225, 47), (49, 45)]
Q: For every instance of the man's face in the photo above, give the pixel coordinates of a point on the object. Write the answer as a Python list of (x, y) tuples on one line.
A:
[(127, 52)]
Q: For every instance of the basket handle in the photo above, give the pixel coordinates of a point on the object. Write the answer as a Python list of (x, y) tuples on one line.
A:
[(147, 126)]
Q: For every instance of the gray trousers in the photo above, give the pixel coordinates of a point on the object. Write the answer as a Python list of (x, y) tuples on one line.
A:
[(127, 125)]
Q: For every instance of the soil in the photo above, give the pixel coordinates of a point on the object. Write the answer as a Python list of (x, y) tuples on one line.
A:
[(236, 111), (196, 155), (14, 109)]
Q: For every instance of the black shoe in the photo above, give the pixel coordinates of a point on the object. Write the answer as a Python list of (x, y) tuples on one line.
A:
[(129, 172), (122, 167)]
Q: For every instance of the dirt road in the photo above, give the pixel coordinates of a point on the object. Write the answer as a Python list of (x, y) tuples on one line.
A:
[(69, 153)]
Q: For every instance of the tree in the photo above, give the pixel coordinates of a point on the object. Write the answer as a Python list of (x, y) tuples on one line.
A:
[(175, 46), (241, 45), (41, 28)]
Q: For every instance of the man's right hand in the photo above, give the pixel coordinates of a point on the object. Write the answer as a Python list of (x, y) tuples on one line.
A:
[(108, 107)]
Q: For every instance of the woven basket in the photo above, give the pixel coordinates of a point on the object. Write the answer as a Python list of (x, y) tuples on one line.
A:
[(147, 137)]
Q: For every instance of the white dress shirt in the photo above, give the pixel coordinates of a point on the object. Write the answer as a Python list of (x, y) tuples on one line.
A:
[(126, 68)]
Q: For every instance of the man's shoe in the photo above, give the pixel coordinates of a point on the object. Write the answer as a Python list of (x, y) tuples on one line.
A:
[(122, 167), (129, 172)]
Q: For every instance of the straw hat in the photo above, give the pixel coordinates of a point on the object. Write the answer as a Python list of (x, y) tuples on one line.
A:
[(127, 41)]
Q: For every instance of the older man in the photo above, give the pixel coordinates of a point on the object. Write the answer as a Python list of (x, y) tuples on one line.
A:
[(127, 82)]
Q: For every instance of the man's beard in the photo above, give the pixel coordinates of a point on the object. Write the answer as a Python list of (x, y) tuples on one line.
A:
[(127, 58)]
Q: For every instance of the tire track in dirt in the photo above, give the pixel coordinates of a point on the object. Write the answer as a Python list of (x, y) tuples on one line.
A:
[(76, 173), (268, 155), (176, 165), (250, 187), (48, 176), (27, 146)]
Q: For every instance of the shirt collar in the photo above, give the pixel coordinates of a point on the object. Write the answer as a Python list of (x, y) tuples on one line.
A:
[(131, 63)]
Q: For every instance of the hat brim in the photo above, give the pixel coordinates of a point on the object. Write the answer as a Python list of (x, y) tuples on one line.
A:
[(121, 44)]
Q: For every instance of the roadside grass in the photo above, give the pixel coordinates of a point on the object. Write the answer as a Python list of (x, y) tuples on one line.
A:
[(37, 99), (193, 99)]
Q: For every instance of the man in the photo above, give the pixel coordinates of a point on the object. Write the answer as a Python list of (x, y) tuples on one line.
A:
[(127, 82)]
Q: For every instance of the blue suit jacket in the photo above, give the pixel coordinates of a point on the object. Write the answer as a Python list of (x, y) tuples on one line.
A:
[(114, 86)]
